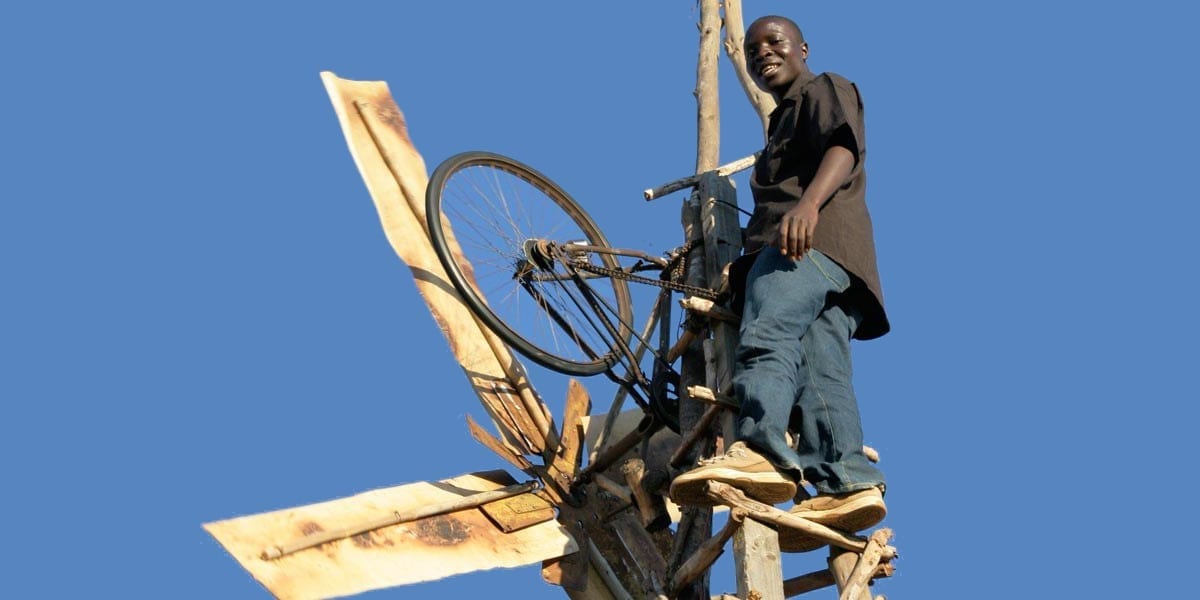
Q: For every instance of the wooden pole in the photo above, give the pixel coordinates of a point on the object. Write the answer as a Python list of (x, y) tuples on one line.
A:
[(735, 39), (757, 557), (697, 525), (708, 120)]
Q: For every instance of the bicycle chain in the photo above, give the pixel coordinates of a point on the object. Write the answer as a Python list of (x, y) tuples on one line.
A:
[(673, 283)]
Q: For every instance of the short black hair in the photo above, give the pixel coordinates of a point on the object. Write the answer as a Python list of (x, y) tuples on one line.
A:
[(785, 21)]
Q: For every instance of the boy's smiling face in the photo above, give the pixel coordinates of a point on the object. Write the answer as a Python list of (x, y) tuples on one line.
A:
[(775, 55)]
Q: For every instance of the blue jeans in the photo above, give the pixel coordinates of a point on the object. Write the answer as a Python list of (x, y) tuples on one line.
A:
[(793, 368)]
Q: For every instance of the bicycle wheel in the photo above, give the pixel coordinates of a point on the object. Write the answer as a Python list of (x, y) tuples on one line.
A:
[(488, 216)]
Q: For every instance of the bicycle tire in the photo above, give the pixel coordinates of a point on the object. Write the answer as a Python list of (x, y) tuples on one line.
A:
[(497, 204)]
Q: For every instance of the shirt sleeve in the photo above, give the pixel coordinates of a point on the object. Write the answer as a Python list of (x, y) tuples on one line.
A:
[(831, 103)]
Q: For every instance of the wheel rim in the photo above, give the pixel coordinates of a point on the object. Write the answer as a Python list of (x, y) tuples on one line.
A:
[(498, 211)]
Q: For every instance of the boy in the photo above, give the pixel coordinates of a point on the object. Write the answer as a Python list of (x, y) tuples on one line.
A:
[(812, 285)]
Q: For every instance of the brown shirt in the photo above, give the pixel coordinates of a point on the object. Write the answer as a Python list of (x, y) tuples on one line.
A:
[(814, 108)]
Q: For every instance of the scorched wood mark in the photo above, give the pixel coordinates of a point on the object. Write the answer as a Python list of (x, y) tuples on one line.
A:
[(369, 539), (309, 527), (442, 531)]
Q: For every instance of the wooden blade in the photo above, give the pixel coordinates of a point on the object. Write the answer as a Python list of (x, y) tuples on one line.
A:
[(396, 178), (422, 550)]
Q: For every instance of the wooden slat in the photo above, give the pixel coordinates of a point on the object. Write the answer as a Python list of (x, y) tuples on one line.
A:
[(422, 550), (395, 176), (491, 443), (566, 460)]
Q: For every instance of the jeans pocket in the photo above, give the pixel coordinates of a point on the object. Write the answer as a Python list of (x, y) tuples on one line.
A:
[(831, 270)]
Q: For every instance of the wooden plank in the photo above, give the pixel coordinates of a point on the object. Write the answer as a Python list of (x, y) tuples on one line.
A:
[(491, 443), (396, 178), (422, 550), (566, 459)]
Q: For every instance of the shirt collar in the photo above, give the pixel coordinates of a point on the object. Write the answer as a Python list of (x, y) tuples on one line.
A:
[(802, 79)]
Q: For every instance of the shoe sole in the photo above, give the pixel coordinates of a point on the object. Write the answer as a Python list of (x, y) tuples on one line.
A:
[(853, 517), (768, 488)]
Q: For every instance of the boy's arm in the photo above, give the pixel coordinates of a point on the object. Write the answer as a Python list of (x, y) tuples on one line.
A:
[(798, 223)]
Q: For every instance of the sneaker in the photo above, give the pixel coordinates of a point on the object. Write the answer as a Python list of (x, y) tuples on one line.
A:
[(850, 512), (740, 467)]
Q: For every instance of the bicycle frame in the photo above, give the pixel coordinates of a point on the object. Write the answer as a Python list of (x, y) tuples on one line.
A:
[(650, 393)]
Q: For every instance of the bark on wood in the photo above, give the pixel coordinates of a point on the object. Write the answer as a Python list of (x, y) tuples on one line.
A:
[(735, 39)]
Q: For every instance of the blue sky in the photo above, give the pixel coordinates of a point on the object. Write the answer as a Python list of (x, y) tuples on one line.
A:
[(202, 319)]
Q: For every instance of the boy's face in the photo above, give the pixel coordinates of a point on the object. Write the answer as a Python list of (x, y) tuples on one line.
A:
[(775, 55)]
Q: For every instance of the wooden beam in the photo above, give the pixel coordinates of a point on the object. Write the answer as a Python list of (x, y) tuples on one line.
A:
[(841, 564), (709, 309), (795, 586), (725, 170), (734, 498), (858, 582), (708, 552), (700, 431)]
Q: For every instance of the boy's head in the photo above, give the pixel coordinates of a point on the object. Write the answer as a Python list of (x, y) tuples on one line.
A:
[(775, 53)]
